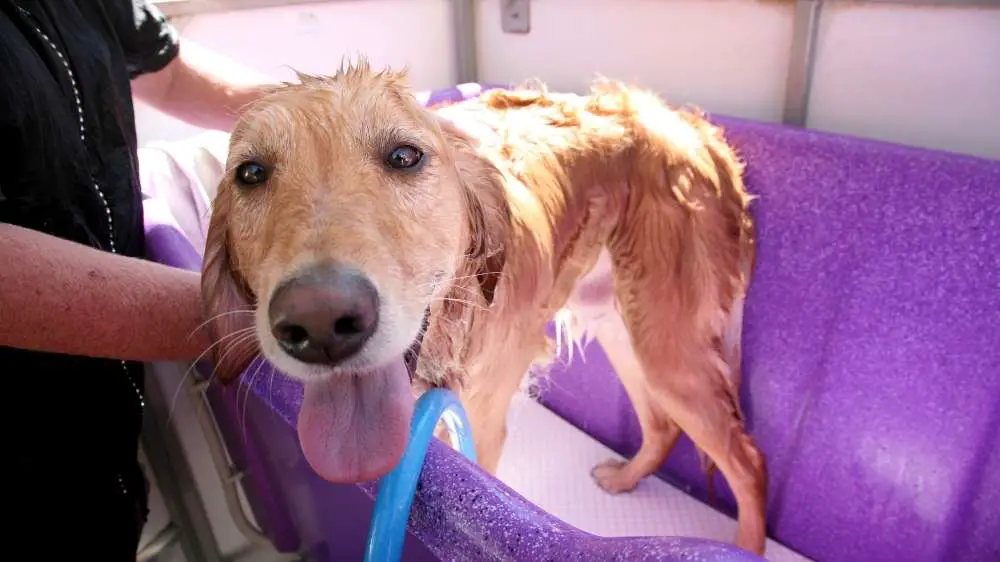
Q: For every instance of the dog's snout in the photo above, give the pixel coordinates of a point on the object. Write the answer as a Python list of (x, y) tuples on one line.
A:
[(325, 315)]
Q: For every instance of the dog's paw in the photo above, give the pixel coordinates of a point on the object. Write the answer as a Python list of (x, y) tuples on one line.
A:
[(614, 477)]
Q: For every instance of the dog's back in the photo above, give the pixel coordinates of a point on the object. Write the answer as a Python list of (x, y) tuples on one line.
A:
[(572, 162), (580, 169)]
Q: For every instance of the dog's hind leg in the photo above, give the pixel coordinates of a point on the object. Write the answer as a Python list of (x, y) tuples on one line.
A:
[(687, 376), (594, 314), (659, 433)]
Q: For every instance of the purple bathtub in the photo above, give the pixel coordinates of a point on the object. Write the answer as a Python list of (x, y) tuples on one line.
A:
[(872, 381)]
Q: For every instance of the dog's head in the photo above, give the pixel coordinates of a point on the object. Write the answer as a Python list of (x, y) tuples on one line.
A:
[(345, 211)]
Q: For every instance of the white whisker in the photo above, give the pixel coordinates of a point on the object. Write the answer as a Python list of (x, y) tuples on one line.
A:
[(194, 363), (220, 315), (246, 399)]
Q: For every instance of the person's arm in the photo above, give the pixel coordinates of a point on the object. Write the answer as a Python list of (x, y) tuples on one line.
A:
[(201, 87), (82, 301), (178, 77)]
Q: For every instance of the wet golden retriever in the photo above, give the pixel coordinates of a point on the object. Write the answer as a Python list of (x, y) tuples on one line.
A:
[(351, 221)]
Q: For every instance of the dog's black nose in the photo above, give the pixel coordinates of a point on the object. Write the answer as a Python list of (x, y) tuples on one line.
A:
[(324, 315)]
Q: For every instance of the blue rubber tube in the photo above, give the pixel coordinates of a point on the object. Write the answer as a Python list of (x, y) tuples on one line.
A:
[(396, 490)]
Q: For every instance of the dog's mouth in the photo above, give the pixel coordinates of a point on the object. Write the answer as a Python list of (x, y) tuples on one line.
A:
[(354, 427)]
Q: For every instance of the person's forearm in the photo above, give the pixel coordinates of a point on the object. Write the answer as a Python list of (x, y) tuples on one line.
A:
[(203, 88), (63, 297)]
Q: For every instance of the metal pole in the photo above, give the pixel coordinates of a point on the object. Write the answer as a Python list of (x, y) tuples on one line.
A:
[(800, 62), (464, 33), (173, 475)]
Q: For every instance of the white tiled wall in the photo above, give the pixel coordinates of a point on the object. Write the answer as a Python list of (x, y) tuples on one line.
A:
[(924, 76), (916, 75), (729, 56), (316, 37)]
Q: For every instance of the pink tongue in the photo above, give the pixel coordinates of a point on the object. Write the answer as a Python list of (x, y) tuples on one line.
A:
[(354, 428)]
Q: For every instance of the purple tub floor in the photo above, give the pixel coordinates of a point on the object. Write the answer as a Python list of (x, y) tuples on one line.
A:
[(548, 461)]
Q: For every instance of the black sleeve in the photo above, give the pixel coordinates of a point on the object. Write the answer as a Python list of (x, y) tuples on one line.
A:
[(147, 39)]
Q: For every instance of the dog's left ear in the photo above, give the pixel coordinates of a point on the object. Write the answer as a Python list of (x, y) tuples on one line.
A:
[(487, 209)]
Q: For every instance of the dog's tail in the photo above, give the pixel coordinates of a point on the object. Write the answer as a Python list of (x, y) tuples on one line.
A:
[(732, 356), (687, 160)]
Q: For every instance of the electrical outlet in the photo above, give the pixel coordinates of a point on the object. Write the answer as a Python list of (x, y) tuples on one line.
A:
[(515, 16)]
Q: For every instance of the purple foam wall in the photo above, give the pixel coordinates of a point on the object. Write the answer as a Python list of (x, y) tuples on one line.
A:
[(871, 369), (872, 352)]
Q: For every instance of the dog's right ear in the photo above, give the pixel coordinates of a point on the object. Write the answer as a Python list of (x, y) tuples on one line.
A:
[(226, 300)]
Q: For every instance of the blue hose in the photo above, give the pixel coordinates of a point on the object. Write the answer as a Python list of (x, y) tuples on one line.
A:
[(396, 490)]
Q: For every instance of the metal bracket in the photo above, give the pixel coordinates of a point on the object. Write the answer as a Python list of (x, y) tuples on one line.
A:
[(515, 16), (164, 539), (230, 475), (166, 461)]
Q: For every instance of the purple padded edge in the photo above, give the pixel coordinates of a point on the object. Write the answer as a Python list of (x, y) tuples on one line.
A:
[(459, 513)]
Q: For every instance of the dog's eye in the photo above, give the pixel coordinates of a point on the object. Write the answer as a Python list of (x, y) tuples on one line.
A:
[(404, 157), (250, 173)]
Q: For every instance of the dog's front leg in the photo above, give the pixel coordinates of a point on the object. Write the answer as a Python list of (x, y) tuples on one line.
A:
[(493, 378)]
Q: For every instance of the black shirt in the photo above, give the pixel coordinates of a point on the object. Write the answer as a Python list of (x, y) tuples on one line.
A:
[(73, 422)]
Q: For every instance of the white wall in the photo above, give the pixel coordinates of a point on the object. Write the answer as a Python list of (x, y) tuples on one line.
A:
[(922, 76), (315, 38), (916, 75), (727, 56)]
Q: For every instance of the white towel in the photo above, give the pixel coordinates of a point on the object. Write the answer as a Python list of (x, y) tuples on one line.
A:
[(184, 175)]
